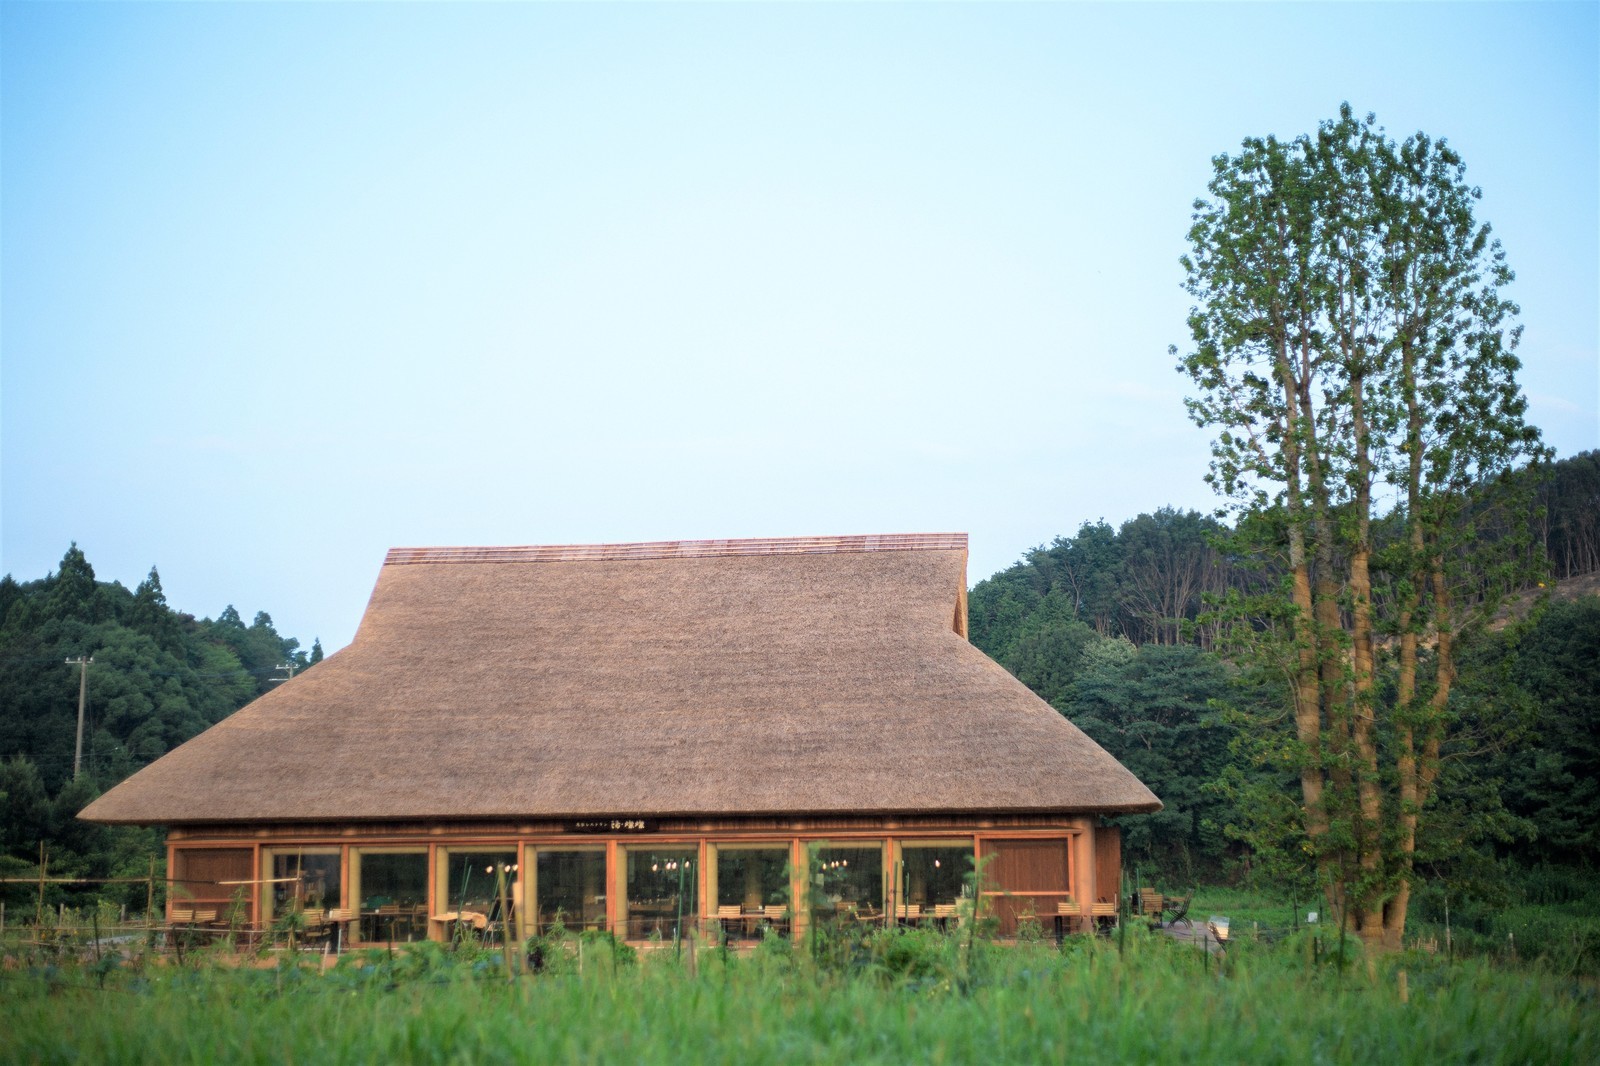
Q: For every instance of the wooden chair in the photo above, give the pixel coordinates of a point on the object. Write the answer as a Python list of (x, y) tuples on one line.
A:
[(730, 920), (383, 926), (1068, 913), (190, 924), (910, 913), (1104, 915), (1178, 908), (180, 923), (339, 920), (944, 914), (206, 921), (1151, 904), (773, 914), (314, 928)]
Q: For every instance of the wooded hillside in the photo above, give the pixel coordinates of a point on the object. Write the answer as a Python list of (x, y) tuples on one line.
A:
[(156, 678)]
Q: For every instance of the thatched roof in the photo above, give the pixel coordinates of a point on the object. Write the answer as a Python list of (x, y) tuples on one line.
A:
[(790, 676)]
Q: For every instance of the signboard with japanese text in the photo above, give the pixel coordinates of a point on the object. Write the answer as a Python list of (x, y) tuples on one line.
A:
[(612, 825)]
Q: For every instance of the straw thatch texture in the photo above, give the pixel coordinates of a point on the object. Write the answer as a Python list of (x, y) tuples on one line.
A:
[(801, 676)]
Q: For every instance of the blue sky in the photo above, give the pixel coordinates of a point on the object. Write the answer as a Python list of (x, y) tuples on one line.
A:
[(282, 286)]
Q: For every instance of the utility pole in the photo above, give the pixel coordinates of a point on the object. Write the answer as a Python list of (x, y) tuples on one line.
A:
[(83, 692), (289, 666)]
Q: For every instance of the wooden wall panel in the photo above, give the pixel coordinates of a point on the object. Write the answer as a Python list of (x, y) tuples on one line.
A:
[(1107, 863), (196, 872), (1026, 877)]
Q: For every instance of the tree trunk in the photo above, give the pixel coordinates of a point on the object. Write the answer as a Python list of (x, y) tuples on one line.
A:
[(1409, 784), (1369, 833), (1307, 698)]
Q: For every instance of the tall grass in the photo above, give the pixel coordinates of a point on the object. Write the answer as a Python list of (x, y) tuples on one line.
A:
[(901, 998)]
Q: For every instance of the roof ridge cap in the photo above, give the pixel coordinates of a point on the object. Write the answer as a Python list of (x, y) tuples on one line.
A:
[(679, 549)]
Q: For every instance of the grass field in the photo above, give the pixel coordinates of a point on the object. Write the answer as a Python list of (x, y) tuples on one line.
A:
[(917, 997)]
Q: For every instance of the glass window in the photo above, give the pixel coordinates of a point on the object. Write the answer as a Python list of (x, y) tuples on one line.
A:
[(309, 878), (850, 879), (662, 897), (570, 889), (392, 887), (471, 885), (752, 878), (934, 873)]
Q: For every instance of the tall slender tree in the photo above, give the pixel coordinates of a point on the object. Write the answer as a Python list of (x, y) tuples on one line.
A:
[(1354, 352)]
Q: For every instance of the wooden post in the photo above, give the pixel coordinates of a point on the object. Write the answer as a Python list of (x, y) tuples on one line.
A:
[(677, 930), (38, 911), (82, 663), (150, 897)]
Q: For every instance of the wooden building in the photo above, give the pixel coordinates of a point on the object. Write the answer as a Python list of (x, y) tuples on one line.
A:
[(641, 734)]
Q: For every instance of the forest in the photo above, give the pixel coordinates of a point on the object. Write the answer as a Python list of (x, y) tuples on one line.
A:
[(156, 677)]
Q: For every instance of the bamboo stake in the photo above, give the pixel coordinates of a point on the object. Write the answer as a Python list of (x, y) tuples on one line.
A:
[(83, 881), (1122, 912), (38, 911), (505, 919), (150, 898), (677, 929)]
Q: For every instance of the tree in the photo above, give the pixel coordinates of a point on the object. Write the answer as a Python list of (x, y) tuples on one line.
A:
[(1168, 564), (74, 595), (1154, 708), (1553, 664), (1572, 500), (1356, 357)]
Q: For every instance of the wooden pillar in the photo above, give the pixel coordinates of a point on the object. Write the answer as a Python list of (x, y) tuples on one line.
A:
[(617, 883), (798, 889), (258, 889), (172, 859), (703, 884), (1107, 861)]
